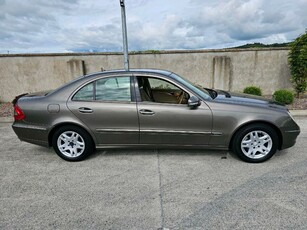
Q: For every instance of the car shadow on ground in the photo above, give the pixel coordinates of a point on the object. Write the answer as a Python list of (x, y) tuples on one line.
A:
[(218, 154), (223, 154)]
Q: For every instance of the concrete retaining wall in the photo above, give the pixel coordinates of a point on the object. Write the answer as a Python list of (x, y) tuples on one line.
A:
[(222, 69)]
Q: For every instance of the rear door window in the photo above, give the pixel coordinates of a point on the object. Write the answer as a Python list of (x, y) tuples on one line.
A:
[(106, 89), (113, 89), (85, 94)]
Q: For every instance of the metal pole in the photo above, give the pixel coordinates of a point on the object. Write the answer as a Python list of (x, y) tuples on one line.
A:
[(125, 40)]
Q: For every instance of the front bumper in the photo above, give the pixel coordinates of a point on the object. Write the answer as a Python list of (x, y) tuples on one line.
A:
[(289, 138)]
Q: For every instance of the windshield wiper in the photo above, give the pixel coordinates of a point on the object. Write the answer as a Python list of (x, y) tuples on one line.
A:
[(212, 92), (226, 93)]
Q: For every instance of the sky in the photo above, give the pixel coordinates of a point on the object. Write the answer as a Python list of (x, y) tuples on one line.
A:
[(59, 26)]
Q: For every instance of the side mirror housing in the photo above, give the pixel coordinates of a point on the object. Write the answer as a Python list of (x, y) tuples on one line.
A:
[(193, 102)]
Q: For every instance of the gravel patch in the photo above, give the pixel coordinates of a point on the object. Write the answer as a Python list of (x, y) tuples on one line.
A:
[(6, 109), (298, 104)]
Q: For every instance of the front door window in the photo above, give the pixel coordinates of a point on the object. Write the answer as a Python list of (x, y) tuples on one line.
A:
[(161, 91)]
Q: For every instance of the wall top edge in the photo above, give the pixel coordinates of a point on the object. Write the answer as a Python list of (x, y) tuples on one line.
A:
[(154, 52)]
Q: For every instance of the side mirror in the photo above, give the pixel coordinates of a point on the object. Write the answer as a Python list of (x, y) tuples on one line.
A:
[(193, 102)]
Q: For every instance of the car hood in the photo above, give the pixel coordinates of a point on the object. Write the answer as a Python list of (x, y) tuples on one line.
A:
[(247, 99)]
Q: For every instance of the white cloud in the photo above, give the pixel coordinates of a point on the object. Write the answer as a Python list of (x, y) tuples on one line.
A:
[(79, 25), (29, 26)]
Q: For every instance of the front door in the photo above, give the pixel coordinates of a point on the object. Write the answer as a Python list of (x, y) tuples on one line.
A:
[(165, 117)]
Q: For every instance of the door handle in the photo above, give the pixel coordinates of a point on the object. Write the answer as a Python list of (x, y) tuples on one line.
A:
[(147, 112), (85, 110)]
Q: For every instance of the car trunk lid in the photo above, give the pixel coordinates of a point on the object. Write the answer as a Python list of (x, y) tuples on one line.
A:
[(36, 94)]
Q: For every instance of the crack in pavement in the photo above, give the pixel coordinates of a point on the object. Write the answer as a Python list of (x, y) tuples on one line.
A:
[(160, 191)]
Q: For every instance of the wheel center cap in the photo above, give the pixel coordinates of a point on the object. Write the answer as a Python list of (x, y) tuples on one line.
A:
[(71, 144)]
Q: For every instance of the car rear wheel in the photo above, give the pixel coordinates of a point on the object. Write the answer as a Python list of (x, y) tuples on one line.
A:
[(255, 143), (72, 143)]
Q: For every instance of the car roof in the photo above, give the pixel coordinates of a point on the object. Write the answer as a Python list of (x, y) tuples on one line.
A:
[(132, 71), (72, 84)]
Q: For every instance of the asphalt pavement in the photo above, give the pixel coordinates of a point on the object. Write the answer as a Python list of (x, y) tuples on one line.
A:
[(151, 189)]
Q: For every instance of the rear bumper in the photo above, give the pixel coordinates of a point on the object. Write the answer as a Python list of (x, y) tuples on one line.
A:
[(32, 134)]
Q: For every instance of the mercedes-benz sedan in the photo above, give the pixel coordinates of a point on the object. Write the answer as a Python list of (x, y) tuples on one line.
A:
[(145, 108)]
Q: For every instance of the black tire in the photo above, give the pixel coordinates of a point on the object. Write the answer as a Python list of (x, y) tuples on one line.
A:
[(255, 143), (76, 143)]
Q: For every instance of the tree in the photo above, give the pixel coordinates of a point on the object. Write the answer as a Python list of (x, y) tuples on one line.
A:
[(298, 63)]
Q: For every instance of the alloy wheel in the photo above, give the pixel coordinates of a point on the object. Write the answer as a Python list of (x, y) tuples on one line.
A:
[(256, 144), (71, 144)]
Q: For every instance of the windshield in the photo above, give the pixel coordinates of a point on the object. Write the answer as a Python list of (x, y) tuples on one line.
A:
[(202, 92)]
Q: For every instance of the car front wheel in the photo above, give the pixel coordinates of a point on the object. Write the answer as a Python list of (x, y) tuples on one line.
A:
[(72, 143), (255, 143)]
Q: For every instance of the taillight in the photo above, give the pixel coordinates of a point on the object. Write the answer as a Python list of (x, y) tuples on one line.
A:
[(18, 113)]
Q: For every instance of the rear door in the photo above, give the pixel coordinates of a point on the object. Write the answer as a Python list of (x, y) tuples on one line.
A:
[(108, 108)]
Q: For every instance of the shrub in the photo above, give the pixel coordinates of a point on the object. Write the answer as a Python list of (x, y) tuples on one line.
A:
[(253, 90), (283, 96), (298, 64)]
